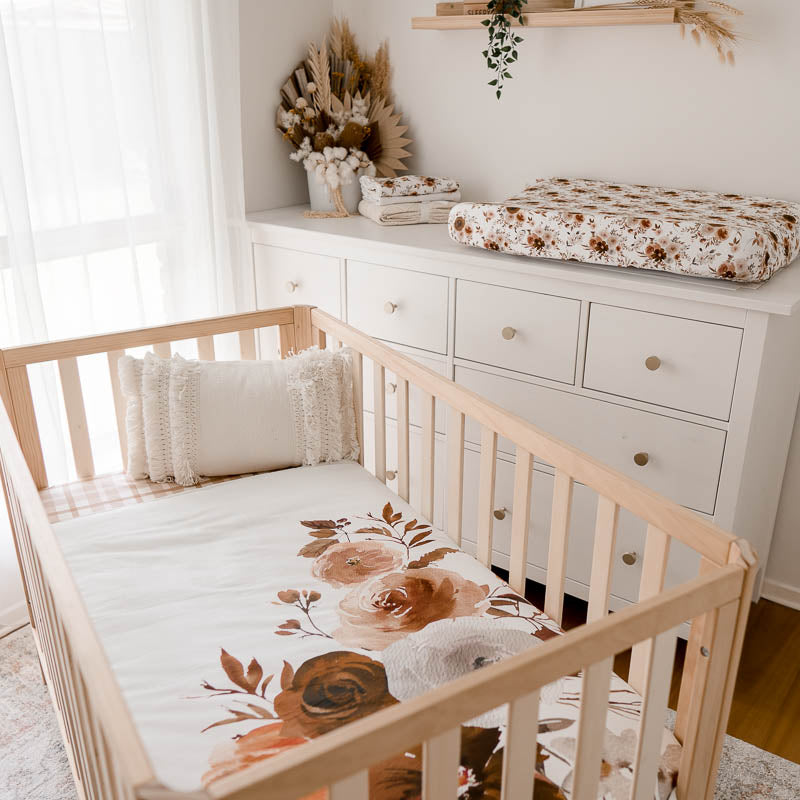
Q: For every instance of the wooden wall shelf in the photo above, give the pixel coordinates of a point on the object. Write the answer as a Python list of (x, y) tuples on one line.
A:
[(555, 19)]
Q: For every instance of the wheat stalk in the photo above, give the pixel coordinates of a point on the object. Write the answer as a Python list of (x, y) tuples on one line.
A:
[(336, 37), (382, 73), (320, 68), (707, 24)]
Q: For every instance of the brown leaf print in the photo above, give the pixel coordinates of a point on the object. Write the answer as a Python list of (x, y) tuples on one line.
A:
[(429, 558), (385, 609), (234, 670), (330, 690), (315, 548), (347, 563)]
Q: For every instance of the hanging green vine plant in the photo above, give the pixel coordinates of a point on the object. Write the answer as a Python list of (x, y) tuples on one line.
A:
[(502, 50)]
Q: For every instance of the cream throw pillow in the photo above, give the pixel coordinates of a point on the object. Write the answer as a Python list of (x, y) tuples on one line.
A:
[(130, 381), (232, 417)]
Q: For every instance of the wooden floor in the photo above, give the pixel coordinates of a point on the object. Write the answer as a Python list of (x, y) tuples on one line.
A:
[(766, 703)]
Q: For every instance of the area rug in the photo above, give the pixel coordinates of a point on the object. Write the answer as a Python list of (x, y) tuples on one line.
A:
[(33, 762)]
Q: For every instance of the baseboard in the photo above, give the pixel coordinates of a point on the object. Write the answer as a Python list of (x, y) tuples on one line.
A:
[(781, 593), (12, 617)]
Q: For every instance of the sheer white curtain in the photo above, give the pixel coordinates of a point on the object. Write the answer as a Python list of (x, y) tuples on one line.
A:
[(121, 195)]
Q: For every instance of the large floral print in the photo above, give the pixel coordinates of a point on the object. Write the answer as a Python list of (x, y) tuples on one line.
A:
[(704, 234), (382, 611)]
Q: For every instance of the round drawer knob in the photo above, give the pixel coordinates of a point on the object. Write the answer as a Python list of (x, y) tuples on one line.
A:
[(390, 474), (389, 307), (500, 513), (630, 558), (391, 388), (652, 363), (509, 333), (291, 286), (641, 459)]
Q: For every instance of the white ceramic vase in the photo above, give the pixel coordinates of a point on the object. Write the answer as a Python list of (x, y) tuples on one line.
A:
[(319, 194)]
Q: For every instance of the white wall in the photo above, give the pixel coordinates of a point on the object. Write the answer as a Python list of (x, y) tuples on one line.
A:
[(274, 39), (626, 104)]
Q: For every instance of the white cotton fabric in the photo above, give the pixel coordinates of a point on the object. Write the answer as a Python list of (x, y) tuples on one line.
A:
[(233, 417), (435, 211), (453, 197), (130, 381)]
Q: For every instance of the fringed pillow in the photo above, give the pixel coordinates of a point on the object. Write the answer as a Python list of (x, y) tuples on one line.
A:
[(233, 417), (145, 384)]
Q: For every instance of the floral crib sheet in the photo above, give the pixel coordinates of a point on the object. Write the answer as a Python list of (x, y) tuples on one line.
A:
[(256, 615), (704, 234)]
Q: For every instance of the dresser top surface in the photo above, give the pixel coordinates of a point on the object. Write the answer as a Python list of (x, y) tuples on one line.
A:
[(780, 295)]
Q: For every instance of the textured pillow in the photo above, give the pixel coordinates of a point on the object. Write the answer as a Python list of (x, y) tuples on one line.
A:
[(232, 417), (130, 380)]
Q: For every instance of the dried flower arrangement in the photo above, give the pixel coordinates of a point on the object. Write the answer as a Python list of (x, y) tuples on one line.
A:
[(709, 23), (337, 112)]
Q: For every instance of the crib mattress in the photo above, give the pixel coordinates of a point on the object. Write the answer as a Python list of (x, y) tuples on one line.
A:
[(704, 234), (253, 616)]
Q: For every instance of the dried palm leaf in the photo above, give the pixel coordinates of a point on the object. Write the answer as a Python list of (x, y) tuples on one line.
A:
[(319, 67), (390, 135)]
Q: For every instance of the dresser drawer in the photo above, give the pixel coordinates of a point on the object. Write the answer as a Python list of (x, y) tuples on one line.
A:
[(682, 459), (398, 305), (631, 531), (517, 330), (415, 394), (290, 277), (668, 361)]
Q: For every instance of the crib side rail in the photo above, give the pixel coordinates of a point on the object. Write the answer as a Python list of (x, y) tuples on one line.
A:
[(663, 514), (103, 746), (435, 717)]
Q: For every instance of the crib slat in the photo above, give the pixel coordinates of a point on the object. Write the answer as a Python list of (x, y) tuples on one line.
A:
[(455, 473), (520, 518), (428, 411), (247, 345), (403, 463), (27, 429), (519, 755), (76, 417), (205, 348), (162, 349), (318, 338), (358, 401), (605, 537), (288, 341), (103, 762), (591, 729), (488, 470), (654, 569), (379, 413), (120, 404), (659, 660), (354, 787), (559, 540), (440, 758)]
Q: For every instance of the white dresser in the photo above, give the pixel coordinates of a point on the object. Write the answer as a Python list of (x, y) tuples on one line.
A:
[(688, 385)]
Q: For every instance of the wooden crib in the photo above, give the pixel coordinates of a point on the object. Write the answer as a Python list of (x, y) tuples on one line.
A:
[(105, 750)]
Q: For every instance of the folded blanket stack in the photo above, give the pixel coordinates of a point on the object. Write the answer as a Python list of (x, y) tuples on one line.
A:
[(408, 200)]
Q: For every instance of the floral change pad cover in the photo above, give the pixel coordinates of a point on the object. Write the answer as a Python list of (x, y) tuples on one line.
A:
[(704, 234), (258, 614)]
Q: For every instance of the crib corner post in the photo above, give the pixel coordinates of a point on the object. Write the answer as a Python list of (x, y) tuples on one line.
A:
[(5, 391), (303, 334)]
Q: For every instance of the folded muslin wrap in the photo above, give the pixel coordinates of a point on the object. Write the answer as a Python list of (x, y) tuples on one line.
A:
[(410, 213), (379, 190), (453, 197)]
